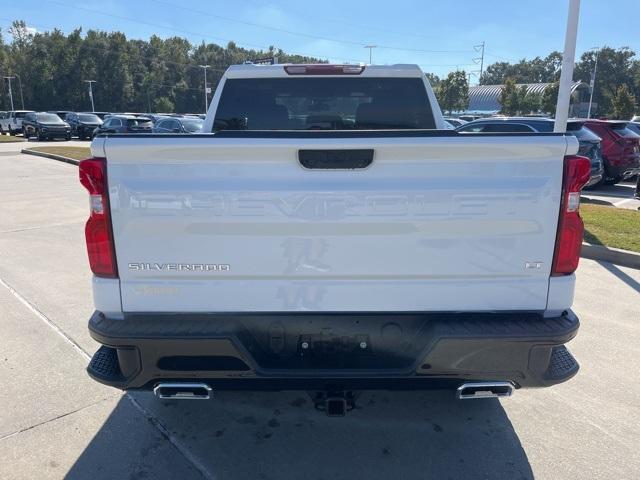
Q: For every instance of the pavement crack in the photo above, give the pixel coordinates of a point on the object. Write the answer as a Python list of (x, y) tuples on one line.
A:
[(26, 229), (164, 431), (45, 319), (44, 422)]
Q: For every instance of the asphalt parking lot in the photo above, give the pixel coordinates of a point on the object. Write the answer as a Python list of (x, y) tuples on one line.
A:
[(55, 422), (619, 195)]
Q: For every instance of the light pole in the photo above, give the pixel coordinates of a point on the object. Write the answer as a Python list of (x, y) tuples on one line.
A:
[(91, 82), (592, 84), (479, 48), (566, 74), (21, 97), (370, 47), (10, 92), (206, 97)]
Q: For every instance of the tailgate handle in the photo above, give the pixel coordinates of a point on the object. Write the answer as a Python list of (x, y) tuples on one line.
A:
[(336, 159)]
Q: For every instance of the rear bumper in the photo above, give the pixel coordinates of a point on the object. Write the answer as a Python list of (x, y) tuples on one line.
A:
[(310, 351)]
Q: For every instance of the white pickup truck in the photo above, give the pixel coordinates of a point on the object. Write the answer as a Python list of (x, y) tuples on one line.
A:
[(11, 122), (327, 234)]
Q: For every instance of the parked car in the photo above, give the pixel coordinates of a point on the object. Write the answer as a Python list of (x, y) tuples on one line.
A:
[(456, 122), (12, 122), (125, 124), (178, 125), (474, 293), (155, 117), (61, 113), (620, 149), (469, 118), (83, 124), (589, 142), (100, 115), (45, 126)]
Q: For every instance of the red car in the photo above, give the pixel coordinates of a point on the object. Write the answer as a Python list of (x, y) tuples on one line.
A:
[(620, 149)]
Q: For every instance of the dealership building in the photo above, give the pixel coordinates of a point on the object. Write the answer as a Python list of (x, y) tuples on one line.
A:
[(484, 99)]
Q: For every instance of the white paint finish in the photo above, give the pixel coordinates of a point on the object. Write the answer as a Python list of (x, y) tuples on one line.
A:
[(278, 71), (561, 291), (106, 296), (442, 223), (97, 147)]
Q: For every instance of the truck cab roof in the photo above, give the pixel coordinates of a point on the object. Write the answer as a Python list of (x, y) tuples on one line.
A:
[(284, 70)]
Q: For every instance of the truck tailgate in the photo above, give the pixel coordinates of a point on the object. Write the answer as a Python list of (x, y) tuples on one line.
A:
[(435, 223)]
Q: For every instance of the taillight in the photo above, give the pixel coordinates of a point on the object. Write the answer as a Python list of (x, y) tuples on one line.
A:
[(324, 69), (570, 227), (98, 232)]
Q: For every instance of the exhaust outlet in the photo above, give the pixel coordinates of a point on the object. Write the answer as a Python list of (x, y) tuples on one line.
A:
[(182, 391), (468, 391)]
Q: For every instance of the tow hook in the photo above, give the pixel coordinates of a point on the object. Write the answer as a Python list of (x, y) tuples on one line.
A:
[(335, 403)]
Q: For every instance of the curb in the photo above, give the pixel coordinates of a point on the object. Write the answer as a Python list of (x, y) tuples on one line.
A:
[(52, 156), (623, 258)]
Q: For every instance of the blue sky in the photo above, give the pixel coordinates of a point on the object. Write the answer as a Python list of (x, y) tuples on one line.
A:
[(439, 35)]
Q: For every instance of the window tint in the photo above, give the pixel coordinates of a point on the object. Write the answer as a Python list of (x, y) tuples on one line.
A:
[(116, 122), (49, 118), (19, 114), (138, 122), (192, 125), (506, 127), (474, 128), (634, 127), (543, 126), (583, 133), (625, 132), (88, 118), (312, 103)]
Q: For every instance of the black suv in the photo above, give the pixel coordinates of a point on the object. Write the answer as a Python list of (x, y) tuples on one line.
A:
[(45, 126), (83, 124), (125, 124)]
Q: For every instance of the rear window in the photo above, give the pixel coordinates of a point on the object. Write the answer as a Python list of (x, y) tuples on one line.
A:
[(141, 122), (507, 127), (86, 117), (581, 132), (634, 127), (192, 125), (498, 127), (49, 118), (324, 104), (621, 129), (544, 127)]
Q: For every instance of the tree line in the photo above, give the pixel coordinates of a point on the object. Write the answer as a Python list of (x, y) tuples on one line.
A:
[(616, 89), (50, 69), (161, 75)]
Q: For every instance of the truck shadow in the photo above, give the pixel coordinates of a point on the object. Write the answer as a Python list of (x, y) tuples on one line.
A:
[(402, 435)]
